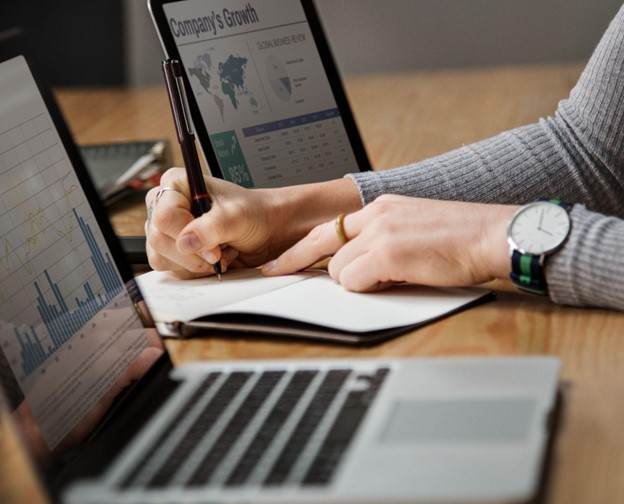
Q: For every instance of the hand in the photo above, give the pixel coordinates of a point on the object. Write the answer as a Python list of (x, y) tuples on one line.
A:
[(398, 238), (245, 227), (236, 219)]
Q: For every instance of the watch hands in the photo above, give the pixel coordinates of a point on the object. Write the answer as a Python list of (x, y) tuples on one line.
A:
[(539, 224)]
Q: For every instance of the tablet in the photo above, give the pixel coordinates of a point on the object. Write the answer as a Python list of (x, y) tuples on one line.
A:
[(264, 93)]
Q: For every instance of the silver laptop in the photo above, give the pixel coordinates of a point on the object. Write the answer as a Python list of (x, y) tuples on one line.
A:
[(106, 417)]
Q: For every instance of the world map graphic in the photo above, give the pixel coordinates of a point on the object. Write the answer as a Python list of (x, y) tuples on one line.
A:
[(224, 81)]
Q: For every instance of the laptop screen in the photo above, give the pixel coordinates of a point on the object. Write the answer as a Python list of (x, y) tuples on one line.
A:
[(71, 331)]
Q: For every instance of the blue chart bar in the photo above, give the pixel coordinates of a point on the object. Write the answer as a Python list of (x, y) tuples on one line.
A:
[(60, 321)]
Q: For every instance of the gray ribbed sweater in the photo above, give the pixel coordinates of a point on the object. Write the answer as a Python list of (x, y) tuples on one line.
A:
[(577, 156)]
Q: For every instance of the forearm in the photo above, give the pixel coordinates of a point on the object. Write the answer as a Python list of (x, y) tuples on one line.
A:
[(515, 167), (297, 209)]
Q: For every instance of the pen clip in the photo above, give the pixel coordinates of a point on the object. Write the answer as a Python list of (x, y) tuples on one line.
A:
[(177, 97)]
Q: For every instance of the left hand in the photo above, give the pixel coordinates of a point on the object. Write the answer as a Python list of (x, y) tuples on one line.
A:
[(399, 238)]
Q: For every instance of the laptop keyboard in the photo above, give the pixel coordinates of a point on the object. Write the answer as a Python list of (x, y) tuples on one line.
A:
[(267, 429)]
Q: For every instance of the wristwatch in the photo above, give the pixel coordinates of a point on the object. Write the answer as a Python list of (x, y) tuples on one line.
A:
[(535, 231)]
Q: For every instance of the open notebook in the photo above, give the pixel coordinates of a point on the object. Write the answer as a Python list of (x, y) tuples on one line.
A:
[(309, 304)]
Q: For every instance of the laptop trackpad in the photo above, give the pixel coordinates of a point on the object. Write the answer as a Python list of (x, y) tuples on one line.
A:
[(447, 421)]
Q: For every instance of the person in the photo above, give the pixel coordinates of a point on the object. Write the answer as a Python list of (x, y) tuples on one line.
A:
[(442, 221)]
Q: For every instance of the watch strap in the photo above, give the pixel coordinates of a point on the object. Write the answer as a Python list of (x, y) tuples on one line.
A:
[(527, 273), (566, 206)]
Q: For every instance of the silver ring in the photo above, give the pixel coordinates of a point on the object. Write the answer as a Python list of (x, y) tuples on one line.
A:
[(162, 191)]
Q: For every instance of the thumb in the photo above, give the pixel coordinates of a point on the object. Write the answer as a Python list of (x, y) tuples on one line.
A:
[(202, 236)]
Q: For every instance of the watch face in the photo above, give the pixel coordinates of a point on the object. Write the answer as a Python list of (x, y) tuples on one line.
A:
[(539, 228)]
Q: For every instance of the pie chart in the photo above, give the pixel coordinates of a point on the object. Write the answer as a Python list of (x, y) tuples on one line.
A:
[(278, 78)]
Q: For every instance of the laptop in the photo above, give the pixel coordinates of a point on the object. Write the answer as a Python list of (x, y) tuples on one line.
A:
[(264, 93), (105, 416)]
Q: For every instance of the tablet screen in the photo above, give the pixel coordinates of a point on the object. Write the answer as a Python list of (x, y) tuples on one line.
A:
[(270, 111)]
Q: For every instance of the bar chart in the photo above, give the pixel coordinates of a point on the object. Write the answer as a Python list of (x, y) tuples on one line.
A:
[(60, 321)]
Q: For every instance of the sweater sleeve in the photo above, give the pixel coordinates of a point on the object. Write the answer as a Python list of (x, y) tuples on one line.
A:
[(589, 270), (577, 155)]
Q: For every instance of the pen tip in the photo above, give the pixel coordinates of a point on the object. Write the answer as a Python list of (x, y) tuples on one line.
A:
[(217, 269)]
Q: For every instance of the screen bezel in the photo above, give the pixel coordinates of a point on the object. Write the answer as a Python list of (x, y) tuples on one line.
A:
[(156, 8)]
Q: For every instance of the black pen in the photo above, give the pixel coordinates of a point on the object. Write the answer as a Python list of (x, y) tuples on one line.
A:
[(200, 200)]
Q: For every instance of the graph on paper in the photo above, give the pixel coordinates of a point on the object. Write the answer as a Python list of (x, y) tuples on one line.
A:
[(68, 327)]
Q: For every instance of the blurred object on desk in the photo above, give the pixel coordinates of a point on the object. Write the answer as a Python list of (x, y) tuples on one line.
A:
[(122, 168)]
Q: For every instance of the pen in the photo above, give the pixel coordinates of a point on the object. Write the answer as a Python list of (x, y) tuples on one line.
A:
[(200, 201)]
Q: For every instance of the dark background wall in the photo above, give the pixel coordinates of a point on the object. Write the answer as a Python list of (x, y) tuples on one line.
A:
[(401, 35), (111, 42), (77, 42)]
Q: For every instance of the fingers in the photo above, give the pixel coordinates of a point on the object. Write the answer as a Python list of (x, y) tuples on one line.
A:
[(323, 241), (362, 273), (235, 222), (358, 265), (352, 265), (168, 212), (168, 204), (185, 246), (228, 255), (194, 238)]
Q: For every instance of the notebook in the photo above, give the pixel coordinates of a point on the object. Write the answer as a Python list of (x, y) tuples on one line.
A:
[(264, 93), (307, 305), (105, 416)]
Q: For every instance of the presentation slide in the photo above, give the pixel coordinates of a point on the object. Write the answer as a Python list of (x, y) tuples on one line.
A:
[(262, 91)]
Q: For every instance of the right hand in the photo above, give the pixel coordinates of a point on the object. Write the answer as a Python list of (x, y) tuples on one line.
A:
[(240, 228)]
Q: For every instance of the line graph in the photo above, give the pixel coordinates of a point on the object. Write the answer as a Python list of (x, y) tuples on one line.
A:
[(38, 223)]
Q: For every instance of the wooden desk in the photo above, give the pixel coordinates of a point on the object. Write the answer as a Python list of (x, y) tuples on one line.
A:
[(404, 118)]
